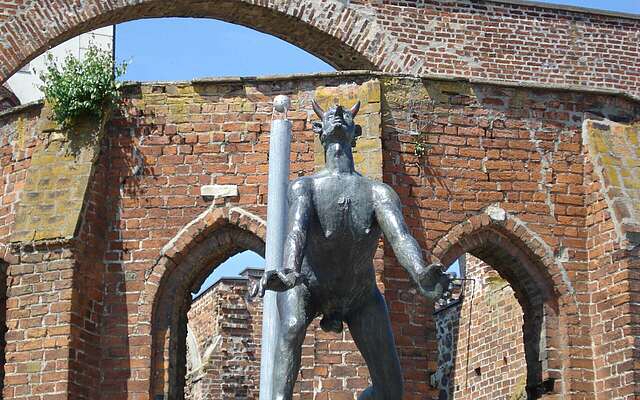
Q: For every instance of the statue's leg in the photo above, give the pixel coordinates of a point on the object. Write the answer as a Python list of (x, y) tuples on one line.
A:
[(295, 316), (371, 330)]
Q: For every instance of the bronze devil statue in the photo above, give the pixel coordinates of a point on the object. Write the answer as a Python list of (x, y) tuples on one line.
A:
[(336, 218)]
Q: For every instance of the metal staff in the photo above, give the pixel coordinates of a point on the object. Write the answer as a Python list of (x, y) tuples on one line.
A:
[(279, 148)]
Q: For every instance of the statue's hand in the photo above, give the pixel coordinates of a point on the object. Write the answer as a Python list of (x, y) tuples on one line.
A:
[(276, 280), (433, 282)]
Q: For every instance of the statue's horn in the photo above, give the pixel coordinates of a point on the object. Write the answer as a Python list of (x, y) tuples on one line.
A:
[(355, 109), (316, 107)]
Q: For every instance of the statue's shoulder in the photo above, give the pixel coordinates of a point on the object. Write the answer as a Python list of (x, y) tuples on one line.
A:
[(383, 192), (301, 186)]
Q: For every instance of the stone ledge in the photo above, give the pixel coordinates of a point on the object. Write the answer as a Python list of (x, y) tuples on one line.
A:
[(20, 108), (364, 73)]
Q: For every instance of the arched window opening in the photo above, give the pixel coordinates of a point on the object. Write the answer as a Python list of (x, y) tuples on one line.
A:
[(174, 49), (184, 345), (223, 333), (228, 50), (494, 330), (480, 336)]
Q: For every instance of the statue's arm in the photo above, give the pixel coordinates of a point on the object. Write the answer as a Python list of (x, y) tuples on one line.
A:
[(431, 280), (287, 275), (300, 209)]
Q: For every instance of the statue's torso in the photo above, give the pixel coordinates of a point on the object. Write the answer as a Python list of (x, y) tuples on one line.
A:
[(341, 242)]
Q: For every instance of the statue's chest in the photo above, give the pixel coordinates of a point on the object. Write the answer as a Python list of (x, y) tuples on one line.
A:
[(344, 207)]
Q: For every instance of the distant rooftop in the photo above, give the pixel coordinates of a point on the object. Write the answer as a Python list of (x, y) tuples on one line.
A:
[(242, 276)]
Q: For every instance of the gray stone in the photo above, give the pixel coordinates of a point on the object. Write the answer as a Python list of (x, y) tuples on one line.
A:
[(219, 191)]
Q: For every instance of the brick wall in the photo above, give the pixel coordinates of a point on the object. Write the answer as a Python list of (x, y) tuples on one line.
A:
[(613, 253), (19, 137), (186, 136), (498, 40), (227, 331), (7, 98), (512, 175), (43, 316), (510, 147), (482, 334), (502, 173)]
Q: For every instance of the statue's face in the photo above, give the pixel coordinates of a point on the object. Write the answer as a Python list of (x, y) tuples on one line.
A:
[(337, 125)]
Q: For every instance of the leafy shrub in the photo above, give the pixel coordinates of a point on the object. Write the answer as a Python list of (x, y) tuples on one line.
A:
[(82, 88)]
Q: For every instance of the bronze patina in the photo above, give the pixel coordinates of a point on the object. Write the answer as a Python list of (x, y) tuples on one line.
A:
[(335, 220)]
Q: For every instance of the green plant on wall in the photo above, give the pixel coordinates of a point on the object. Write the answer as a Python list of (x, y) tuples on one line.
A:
[(82, 88)]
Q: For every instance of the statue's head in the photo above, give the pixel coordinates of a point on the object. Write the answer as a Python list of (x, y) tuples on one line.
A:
[(337, 124)]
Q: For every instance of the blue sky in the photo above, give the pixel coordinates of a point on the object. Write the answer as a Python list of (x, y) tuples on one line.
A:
[(185, 48), (628, 6), (232, 267)]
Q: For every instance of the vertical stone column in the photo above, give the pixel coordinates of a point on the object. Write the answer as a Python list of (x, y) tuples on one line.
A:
[(279, 149)]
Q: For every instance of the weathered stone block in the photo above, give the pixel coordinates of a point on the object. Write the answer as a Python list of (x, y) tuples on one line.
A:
[(57, 180)]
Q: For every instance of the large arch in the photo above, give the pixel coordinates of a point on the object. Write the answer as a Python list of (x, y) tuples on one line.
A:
[(527, 263), (184, 264), (400, 37), (342, 35)]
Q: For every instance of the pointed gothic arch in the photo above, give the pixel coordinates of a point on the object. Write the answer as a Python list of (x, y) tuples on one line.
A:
[(529, 266), (214, 236)]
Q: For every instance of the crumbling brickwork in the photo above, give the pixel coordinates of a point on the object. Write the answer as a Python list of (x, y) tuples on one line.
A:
[(612, 252), (488, 145), (207, 133), (518, 161), (498, 40), (7, 98)]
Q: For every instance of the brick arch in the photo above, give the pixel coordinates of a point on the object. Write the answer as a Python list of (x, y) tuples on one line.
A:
[(343, 35), (546, 268), (184, 263), (528, 264)]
